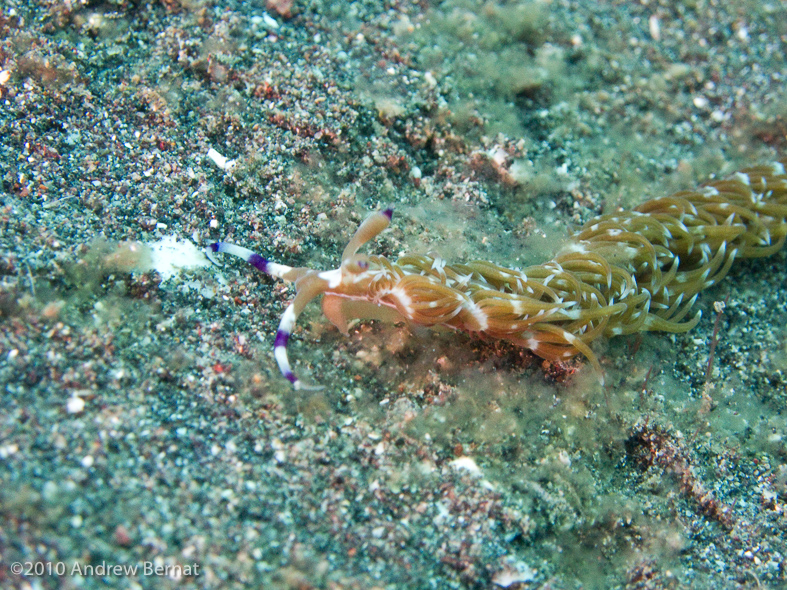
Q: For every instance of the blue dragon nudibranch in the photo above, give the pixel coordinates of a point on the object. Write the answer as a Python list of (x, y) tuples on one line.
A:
[(621, 273)]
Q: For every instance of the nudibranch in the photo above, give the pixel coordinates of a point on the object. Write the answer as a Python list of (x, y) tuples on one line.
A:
[(621, 273)]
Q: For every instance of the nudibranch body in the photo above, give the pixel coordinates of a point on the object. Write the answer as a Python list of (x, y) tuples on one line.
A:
[(621, 273)]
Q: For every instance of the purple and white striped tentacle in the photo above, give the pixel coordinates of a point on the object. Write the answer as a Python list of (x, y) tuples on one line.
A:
[(274, 269), (311, 287), (286, 326)]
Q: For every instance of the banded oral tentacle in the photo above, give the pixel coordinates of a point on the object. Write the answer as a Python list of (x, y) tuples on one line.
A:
[(273, 269)]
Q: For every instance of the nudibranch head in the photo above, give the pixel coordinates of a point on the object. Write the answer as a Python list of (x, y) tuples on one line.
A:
[(346, 289)]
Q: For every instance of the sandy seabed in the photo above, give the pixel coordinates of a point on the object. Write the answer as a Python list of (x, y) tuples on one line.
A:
[(145, 428)]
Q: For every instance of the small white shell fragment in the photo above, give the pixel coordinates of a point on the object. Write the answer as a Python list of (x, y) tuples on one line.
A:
[(468, 464), (75, 405), (700, 102), (654, 27), (220, 160), (8, 450), (269, 21), (430, 79), (514, 572)]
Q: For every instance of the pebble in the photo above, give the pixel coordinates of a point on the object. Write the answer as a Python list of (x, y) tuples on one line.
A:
[(75, 405)]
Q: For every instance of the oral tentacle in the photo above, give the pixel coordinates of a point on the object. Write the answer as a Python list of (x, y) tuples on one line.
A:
[(273, 269), (286, 326), (308, 287)]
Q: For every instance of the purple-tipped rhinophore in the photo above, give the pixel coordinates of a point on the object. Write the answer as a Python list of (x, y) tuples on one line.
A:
[(388, 213)]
